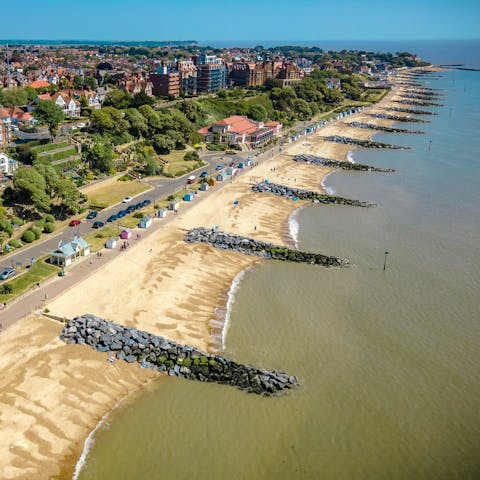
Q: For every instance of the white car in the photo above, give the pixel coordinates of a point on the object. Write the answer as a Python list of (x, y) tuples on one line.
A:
[(127, 200)]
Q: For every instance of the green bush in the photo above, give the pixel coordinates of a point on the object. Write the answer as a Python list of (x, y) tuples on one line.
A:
[(15, 243), (37, 232), (28, 236), (6, 289), (6, 226), (191, 156), (138, 215), (49, 218), (16, 221), (49, 227)]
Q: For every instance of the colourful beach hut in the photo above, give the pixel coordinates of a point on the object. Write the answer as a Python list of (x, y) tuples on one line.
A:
[(125, 234), (222, 176), (188, 197), (204, 187), (212, 182), (173, 205), (162, 213), (111, 243), (145, 222)]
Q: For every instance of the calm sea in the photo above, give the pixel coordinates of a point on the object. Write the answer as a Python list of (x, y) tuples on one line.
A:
[(466, 52), (389, 361)]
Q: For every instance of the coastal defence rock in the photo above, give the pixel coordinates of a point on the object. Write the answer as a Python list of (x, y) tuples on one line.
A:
[(362, 143), (420, 103), (397, 118), (290, 192), (163, 355), (328, 162), (372, 126), (257, 248), (412, 111)]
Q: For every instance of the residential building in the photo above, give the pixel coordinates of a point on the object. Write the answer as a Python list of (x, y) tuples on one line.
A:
[(334, 83), (7, 165), (211, 74), (188, 72), (69, 106), (5, 132), (166, 82)]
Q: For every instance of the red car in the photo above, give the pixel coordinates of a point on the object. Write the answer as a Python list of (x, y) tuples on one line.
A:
[(74, 223)]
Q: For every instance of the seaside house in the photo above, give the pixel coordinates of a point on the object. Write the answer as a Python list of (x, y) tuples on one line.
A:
[(7, 165), (67, 252)]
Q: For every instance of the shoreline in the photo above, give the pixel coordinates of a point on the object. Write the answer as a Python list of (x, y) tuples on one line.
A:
[(169, 275)]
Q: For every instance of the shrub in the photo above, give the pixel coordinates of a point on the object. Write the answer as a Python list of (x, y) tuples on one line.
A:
[(49, 218), (138, 215), (6, 289), (191, 156), (16, 221), (171, 198), (15, 243), (6, 226), (28, 236), (37, 232), (49, 227)]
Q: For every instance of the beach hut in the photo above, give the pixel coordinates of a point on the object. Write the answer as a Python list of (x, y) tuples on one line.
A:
[(162, 213), (222, 176), (231, 171), (173, 206), (212, 182), (249, 162), (145, 222), (241, 165), (111, 243), (204, 187), (125, 234), (188, 197)]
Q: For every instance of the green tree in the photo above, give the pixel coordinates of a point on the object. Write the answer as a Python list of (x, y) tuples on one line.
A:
[(141, 98), (13, 97), (163, 144), (30, 189), (100, 157), (69, 196), (90, 82), (49, 113), (51, 176), (138, 123)]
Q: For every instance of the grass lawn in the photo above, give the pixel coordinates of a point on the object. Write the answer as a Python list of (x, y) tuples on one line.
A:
[(106, 195), (175, 165), (38, 272), (98, 238), (49, 146)]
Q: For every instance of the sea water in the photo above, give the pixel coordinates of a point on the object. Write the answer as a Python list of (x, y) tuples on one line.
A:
[(388, 360)]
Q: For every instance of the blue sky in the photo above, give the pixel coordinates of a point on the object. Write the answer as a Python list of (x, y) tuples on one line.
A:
[(241, 20)]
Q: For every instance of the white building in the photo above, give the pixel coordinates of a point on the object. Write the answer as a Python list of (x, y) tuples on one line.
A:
[(7, 165)]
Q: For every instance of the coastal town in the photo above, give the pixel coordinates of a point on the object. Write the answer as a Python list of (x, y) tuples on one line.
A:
[(138, 184)]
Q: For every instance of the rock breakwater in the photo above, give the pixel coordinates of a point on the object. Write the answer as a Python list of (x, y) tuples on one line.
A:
[(397, 118), (328, 162), (257, 248), (420, 103), (412, 111), (372, 126), (291, 192), (163, 355), (362, 143)]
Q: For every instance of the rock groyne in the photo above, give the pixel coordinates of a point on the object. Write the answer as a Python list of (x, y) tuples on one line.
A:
[(420, 103), (163, 355), (411, 111), (397, 118), (328, 162), (257, 248), (372, 126), (291, 192), (362, 143)]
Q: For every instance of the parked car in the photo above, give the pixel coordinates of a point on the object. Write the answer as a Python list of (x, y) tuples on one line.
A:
[(92, 214), (127, 200), (98, 224), (74, 223), (7, 273), (130, 209), (191, 179), (121, 213), (112, 218), (146, 202), (138, 205), (204, 174), (218, 167)]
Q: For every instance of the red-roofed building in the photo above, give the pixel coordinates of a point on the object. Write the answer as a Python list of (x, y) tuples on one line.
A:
[(237, 130), (39, 84)]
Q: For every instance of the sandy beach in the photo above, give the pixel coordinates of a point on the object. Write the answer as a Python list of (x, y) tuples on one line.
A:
[(53, 395)]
